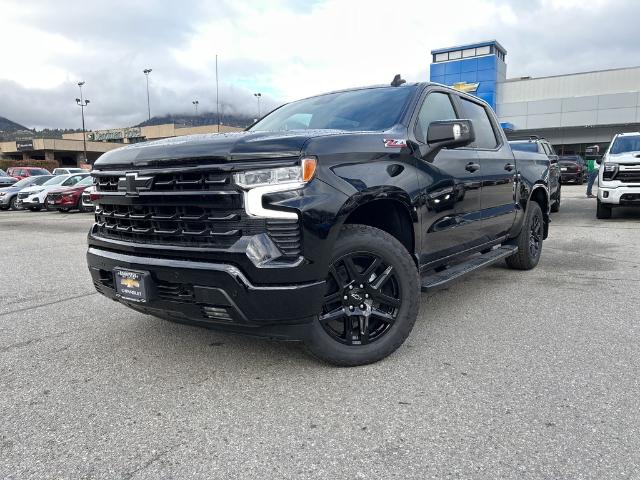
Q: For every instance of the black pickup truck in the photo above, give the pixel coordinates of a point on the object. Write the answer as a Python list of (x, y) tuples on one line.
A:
[(320, 223)]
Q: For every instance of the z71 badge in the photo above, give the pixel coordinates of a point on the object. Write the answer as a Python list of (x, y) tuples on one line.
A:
[(395, 142)]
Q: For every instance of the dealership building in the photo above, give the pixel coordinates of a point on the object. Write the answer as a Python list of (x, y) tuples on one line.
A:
[(572, 111), (69, 150)]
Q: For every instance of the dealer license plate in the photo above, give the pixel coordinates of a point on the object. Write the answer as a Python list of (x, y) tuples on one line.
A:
[(132, 284)]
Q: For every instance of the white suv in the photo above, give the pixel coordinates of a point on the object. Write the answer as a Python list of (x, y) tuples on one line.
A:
[(619, 175)]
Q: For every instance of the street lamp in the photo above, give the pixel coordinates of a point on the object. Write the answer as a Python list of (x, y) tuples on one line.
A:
[(258, 95), (195, 104), (82, 102), (147, 71)]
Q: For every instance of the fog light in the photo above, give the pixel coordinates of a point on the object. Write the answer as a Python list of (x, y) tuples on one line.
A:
[(605, 194), (261, 249)]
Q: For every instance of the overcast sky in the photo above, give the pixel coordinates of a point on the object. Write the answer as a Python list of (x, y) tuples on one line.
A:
[(285, 49)]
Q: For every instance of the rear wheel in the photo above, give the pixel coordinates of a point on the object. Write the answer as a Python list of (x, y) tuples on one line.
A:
[(555, 207), (13, 203), (603, 210), (529, 241), (371, 301)]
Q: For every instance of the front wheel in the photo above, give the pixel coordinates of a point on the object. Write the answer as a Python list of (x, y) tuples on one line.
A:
[(371, 302), (529, 241)]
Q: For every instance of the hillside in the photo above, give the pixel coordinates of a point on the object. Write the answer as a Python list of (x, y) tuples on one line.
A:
[(207, 118)]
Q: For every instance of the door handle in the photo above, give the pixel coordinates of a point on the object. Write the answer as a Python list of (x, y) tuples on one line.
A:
[(509, 166), (472, 167)]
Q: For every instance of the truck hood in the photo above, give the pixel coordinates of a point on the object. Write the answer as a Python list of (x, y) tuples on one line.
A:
[(625, 158), (217, 147)]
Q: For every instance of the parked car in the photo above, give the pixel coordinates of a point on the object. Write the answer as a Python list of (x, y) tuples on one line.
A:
[(6, 180), (9, 195), (573, 169), (24, 172), (67, 171), (34, 198), (324, 221), (540, 145), (65, 199), (87, 198), (619, 175)]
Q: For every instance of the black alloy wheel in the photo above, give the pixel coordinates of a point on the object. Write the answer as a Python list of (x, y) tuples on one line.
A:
[(371, 301), (535, 236), (529, 240), (363, 299)]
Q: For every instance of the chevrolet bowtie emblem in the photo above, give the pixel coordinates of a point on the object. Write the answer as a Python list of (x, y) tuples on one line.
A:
[(465, 87), (134, 184)]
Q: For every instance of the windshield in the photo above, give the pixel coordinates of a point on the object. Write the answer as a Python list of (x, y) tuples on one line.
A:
[(85, 182), (371, 109), (626, 144), (39, 171), (55, 180), (524, 146), (25, 182)]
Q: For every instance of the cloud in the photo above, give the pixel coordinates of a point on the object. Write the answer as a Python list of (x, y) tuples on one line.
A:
[(286, 49)]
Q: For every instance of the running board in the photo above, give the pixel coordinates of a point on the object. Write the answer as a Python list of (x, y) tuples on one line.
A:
[(439, 279)]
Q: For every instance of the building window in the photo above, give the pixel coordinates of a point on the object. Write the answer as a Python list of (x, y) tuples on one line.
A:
[(455, 55), (469, 52), (486, 50), (441, 57)]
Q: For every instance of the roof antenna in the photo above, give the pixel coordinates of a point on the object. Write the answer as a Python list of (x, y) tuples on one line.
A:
[(397, 81)]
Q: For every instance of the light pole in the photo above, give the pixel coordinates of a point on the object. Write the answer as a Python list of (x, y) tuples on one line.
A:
[(82, 102), (147, 71), (195, 104), (258, 95)]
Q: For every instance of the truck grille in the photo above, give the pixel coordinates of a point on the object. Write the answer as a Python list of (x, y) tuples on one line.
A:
[(628, 176), (178, 208), (52, 197), (22, 195)]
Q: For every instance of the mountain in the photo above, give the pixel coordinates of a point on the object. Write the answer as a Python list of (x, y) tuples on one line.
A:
[(207, 118), (7, 126)]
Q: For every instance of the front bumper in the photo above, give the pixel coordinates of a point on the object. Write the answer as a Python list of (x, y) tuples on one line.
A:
[(5, 200), (213, 294), (620, 195), (30, 202)]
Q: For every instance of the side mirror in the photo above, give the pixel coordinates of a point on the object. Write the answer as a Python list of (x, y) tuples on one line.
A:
[(450, 133)]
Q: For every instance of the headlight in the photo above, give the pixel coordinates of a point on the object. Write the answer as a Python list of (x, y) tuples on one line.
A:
[(277, 176), (36, 192), (2, 194), (610, 171)]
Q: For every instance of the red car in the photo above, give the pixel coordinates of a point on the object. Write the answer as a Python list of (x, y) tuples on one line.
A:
[(24, 172), (69, 198)]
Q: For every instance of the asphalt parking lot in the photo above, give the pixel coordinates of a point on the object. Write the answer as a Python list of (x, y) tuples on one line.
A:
[(506, 375)]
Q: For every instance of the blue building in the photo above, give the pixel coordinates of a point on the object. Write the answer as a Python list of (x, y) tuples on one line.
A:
[(476, 68), (572, 110)]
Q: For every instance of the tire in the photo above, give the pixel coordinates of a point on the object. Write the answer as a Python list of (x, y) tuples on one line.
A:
[(395, 278), (603, 211), (528, 256), (13, 203), (555, 207)]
